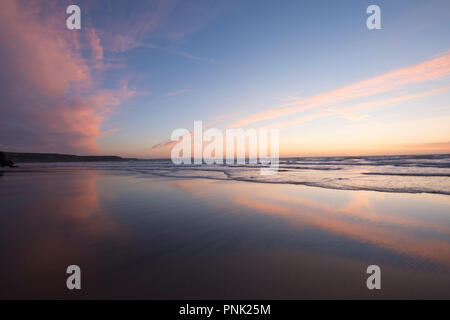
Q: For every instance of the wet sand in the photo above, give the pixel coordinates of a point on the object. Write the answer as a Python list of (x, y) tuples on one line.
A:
[(138, 236)]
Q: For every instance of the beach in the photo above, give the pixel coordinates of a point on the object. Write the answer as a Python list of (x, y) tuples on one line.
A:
[(240, 156), (137, 234)]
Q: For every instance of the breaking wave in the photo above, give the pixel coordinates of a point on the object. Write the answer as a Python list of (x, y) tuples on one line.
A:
[(401, 174)]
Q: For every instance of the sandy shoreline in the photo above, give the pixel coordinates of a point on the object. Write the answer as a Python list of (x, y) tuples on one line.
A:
[(138, 236)]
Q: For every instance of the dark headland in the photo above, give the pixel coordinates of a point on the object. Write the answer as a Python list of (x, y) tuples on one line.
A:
[(19, 157)]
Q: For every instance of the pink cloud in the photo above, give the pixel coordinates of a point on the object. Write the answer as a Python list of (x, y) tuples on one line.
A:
[(33, 47), (350, 112), (165, 144), (397, 79), (96, 48), (48, 98), (169, 143)]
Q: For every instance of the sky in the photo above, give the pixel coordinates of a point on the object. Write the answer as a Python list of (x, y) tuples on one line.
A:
[(138, 70)]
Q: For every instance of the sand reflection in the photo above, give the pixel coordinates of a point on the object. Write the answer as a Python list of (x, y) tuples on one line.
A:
[(60, 221), (359, 218)]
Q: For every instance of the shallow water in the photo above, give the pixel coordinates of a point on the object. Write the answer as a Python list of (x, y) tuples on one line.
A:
[(400, 174), (136, 234)]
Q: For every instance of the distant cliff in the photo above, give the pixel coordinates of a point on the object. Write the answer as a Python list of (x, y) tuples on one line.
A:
[(18, 157)]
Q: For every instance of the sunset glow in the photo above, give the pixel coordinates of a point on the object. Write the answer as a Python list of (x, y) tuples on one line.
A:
[(133, 74)]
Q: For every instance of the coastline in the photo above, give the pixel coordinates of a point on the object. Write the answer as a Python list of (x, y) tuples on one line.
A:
[(232, 239), (28, 157), (400, 174)]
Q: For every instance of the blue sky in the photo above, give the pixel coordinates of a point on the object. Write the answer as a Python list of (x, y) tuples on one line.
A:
[(181, 61)]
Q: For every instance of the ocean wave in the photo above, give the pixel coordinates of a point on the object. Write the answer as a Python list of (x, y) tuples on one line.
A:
[(412, 174), (322, 184), (400, 174)]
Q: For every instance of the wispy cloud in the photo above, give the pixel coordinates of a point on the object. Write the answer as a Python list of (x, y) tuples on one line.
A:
[(172, 51), (352, 112), (166, 144), (143, 18), (149, 21), (394, 80), (177, 92), (169, 143)]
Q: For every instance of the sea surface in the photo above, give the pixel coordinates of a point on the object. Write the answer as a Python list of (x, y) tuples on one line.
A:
[(149, 229), (401, 174)]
